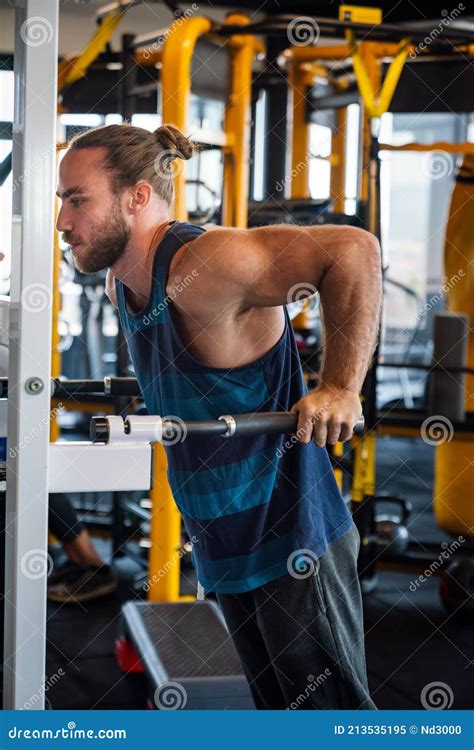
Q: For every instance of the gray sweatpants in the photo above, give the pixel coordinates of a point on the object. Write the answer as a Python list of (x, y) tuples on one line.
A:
[(300, 638)]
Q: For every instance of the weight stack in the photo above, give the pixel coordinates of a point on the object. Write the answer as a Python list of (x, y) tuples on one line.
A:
[(189, 659)]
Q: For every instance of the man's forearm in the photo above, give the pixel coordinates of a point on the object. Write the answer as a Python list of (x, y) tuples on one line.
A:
[(350, 294)]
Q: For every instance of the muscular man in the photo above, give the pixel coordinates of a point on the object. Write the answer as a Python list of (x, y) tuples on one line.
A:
[(208, 333)]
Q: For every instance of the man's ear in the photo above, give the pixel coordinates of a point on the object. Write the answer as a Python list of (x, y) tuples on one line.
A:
[(139, 196)]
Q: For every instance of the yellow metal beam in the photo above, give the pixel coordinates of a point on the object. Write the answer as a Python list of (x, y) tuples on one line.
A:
[(75, 67), (165, 535), (341, 52), (177, 54), (375, 94), (237, 126), (300, 76), (363, 483), (338, 161)]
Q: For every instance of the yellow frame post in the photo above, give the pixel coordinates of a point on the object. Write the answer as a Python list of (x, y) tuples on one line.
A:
[(177, 54), (237, 127), (338, 162), (300, 75)]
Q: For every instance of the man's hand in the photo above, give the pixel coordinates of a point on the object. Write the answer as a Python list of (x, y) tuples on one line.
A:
[(327, 414)]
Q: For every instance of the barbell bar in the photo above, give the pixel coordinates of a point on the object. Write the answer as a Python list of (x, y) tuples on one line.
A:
[(157, 429)]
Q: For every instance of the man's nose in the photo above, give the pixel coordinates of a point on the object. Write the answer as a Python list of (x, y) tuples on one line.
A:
[(63, 222)]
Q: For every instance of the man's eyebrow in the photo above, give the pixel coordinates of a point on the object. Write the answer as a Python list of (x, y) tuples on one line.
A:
[(71, 191)]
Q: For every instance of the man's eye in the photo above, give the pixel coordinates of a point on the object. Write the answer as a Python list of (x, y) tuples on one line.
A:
[(77, 202)]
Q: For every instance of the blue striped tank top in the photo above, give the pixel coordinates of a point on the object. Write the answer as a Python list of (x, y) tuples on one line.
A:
[(250, 504)]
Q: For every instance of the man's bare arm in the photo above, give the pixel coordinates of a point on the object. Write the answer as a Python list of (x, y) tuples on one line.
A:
[(270, 266), (274, 265)]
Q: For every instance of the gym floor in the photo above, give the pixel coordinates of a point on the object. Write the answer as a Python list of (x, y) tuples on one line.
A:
[(410, 639)]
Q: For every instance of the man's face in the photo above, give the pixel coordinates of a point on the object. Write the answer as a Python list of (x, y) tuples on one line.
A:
[(91, 218)]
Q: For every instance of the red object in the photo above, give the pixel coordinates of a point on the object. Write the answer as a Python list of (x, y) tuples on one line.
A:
[(127, 656)]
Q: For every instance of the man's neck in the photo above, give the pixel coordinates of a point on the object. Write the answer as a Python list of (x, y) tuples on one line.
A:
[(134, 268)]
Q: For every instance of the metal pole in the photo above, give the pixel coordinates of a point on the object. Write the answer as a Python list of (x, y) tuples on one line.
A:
[(34, 155)]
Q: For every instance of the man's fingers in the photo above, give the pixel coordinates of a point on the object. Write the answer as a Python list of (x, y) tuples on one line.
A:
[(334, 432), (317, 427), (320, 432), (304, 429)]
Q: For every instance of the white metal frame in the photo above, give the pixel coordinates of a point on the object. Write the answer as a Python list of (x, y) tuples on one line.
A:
[(34, 156), (34, 466)]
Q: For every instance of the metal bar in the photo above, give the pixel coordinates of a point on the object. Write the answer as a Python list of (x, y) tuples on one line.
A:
[(156, 429), (430, 367), (335, 101), (34, 143), (69, 388), (119, 5), (416, 418), (143, 89), (278, 26), (150, 38)]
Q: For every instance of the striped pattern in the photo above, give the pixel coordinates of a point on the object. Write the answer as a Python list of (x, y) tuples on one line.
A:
[(248, 506)]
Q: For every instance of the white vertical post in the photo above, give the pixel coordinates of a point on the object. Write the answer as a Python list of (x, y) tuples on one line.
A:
[(34, 157)]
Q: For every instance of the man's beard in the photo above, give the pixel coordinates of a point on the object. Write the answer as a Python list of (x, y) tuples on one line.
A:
[(111, 239)]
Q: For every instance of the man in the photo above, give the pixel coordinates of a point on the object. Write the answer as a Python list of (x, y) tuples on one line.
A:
[(208, 333)]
